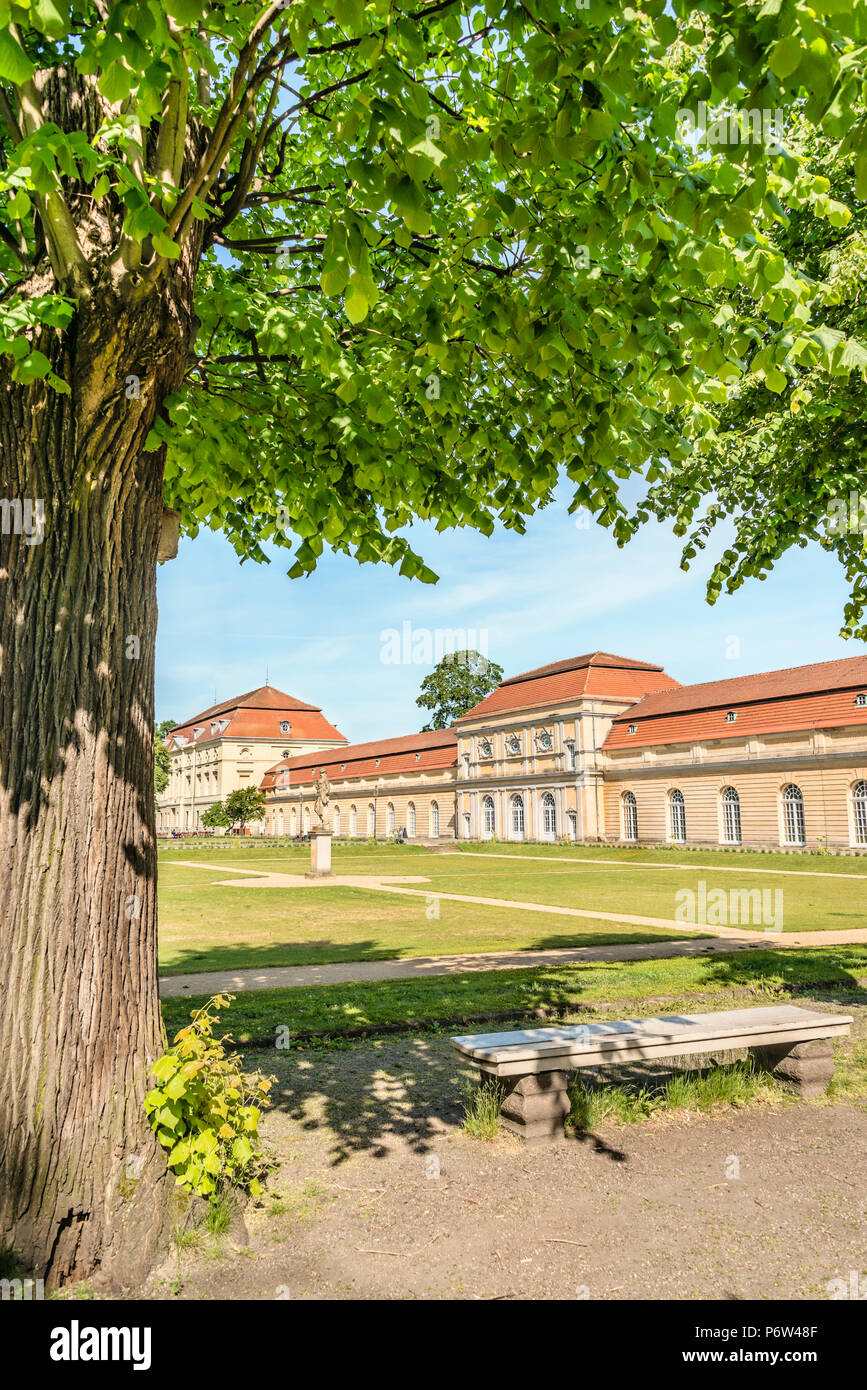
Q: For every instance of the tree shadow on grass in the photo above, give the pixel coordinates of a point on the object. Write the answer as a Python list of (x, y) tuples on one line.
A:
[(317, 951), (825, 972)]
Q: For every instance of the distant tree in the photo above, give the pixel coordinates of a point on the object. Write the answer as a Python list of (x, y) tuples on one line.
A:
[(216, 816), (243, 805), (455, 684), (162, 758)]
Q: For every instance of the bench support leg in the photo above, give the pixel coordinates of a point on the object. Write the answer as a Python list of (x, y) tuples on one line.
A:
[(806, 1067), (536, 1106)]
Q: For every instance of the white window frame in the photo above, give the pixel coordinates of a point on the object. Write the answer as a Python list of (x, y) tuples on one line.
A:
[(629, 818), (434, 820), (793, 826), (489, 818), (549, 816), (676, 799), (517, 821), (858, 805), (410, 820), (730, 816)]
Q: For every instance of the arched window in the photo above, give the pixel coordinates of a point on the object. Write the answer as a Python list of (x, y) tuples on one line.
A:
[(466, 825), (279, 822), (434, 819), (371, 819), (793, 815), (306, 818), (410, 820), (389, 818), (859, 812), (336, 820), (572, 821), (489, 823), (353, 821), (517, 817), (677, 816), (293, 822), (549, 816), (731, 816), (629, 816)]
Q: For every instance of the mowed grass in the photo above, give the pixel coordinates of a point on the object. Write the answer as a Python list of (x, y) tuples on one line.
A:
[(203, 926), (207, 927), (574, 992)]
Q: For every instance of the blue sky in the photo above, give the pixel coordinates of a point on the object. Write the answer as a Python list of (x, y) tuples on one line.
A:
[(553, 593)]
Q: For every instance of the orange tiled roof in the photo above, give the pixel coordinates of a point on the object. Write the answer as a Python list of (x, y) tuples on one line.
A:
[(436, 748), (800, 697), (258, 714), (598, 674)]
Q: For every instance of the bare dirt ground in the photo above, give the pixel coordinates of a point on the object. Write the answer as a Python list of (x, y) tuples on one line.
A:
[(382, 1196)]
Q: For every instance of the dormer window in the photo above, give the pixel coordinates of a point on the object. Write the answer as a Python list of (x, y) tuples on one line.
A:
[(197, 733), (861, 698), (285, 726), (632, 728), (731, 716), (417, 756), (343, 767), (377, 762)]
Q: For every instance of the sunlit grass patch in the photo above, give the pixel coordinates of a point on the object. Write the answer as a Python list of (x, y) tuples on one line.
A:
[(696, 1091), (482, 1108)]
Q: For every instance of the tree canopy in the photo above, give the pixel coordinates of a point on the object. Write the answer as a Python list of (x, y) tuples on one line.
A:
[(457, 683), (444, 253), (243, 805)]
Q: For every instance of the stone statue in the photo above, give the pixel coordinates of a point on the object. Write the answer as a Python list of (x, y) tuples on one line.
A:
[(323, 787)]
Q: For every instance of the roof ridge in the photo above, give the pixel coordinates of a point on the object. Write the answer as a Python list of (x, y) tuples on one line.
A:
[(358, 751), (726, 688), (577, 663), (243, 701)]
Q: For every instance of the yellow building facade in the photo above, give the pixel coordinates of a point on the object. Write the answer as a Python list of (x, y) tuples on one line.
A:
[(606, 749)]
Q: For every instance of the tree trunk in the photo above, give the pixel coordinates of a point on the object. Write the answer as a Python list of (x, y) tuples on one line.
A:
[(84, 1190)]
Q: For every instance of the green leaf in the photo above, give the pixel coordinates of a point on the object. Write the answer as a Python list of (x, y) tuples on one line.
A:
[(164, 246), (15, 66), (786, 55)]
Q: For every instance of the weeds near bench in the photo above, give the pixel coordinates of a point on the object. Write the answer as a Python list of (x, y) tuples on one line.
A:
[(736, 1083), (482, 1108)]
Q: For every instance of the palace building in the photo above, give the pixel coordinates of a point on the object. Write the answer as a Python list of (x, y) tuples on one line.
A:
[(376, 788), (233, 745), (603, 748), (598, 748)]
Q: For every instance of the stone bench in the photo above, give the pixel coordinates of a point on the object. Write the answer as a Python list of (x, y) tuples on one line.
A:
[(534, 1064)]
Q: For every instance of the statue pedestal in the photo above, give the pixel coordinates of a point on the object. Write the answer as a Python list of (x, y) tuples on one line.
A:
[(320, 853)]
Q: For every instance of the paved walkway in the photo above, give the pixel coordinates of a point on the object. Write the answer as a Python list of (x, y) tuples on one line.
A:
[(711, 939)]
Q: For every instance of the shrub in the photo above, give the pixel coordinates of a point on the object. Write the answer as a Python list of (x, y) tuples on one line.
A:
[(205, 1110)]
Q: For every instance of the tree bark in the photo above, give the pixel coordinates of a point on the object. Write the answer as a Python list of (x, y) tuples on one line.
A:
[(84, 1191)]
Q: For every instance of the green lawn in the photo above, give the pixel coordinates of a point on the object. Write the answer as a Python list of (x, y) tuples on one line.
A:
[(570, 991), (205, 927)]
